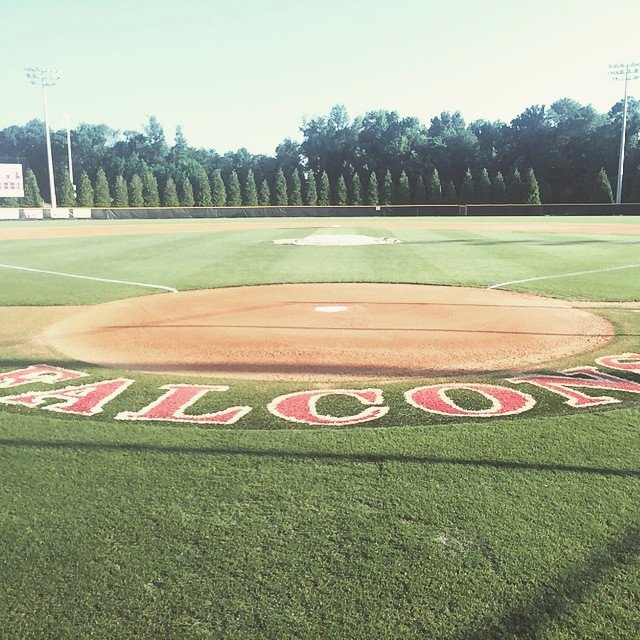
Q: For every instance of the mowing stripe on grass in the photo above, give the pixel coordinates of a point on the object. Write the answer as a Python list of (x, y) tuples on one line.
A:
[(74, 275), (562, 275)]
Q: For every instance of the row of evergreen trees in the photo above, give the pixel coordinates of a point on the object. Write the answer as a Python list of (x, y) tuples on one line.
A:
[(299, 189)]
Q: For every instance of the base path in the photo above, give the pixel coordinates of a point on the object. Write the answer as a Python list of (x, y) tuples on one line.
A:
[(380, 331)]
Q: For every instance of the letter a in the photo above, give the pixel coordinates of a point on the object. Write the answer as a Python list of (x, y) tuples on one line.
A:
[(83, 400), (42, 373)]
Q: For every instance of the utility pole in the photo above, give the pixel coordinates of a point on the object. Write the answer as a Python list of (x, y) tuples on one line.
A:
[(46, 78), (625, 71)]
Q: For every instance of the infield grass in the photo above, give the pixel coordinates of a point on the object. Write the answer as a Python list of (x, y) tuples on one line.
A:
[(523, 527)]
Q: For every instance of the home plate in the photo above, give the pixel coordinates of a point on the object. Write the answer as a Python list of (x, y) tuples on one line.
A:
[(331, 309)]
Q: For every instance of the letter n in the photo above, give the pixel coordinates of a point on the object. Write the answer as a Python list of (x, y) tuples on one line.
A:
[(580, 378)]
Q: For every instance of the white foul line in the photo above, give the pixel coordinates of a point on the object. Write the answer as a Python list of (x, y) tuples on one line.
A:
[(562, 275), (73, 275)]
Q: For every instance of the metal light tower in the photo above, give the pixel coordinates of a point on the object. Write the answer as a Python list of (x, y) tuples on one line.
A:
[(625, 71), (70, 160), (46, 78)]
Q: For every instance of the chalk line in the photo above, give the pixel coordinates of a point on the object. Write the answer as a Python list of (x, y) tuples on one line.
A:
[(562, 275), (74, 275)]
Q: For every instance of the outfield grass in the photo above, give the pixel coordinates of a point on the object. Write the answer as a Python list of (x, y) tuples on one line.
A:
[(426, 256), (524, 527)]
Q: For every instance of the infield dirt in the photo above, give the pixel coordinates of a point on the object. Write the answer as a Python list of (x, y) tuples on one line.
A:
[(89, 228), (387, 331)]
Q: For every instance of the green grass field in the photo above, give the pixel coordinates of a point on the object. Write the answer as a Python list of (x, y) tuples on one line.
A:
[(417, 526)]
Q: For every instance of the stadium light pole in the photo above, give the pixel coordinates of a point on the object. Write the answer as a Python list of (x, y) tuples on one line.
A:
[(70, 160), (625, 71), (46, 78)]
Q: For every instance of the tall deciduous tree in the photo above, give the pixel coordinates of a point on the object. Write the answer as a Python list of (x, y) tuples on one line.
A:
[(341, 192), (483, 189), (467, 190), (434, 188), (32, 197), (295, 189), (135, 191), (170, 195), (102, 197), (531, 188), (602, 191), (311, 191), (121, 193), (218, 190), (67, 198), (188, 199), (403, 195), (234, 197), (565, 142), (386, 195), (498, 189), (281, 196), (264, 195), (372, 196), (250, 193)]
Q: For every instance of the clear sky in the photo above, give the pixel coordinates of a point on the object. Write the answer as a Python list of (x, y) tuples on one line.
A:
[(244, 73)]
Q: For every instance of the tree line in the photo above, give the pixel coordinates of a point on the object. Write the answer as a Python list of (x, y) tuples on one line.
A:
[(562, 153)]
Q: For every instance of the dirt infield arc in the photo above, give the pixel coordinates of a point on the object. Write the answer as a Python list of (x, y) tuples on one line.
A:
[(371, 331)]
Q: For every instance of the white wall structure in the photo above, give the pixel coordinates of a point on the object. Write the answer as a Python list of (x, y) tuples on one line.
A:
[(81, 213), (33, 214), (60, 213), (9, 213)]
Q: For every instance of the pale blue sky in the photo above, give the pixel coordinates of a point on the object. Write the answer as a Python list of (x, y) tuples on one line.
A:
[(245, 72)]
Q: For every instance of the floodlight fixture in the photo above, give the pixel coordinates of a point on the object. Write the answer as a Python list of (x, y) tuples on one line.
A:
[(46, 78), (626, 71)]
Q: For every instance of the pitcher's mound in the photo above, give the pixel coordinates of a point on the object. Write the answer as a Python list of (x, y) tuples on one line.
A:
[(381, 331), (338, 240)]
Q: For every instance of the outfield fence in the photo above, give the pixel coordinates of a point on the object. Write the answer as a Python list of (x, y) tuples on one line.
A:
[(436, 210), (369, 211)]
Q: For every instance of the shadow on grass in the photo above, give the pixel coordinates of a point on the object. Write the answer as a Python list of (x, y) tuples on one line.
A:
[(329, 457), (527, 618)]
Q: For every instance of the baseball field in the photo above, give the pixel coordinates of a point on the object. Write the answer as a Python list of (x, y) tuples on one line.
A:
[(320, 428)]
